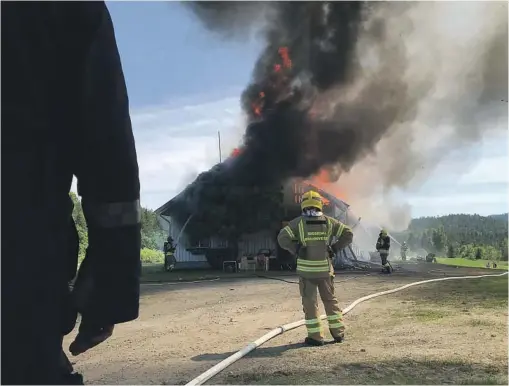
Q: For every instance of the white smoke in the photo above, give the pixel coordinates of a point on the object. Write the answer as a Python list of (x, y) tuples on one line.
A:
[(437, 73)]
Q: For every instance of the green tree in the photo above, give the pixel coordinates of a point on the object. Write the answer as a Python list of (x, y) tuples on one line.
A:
[(151, 233), (504, 250), (411, 240), (465, 229), (450, 251), (152, 236), (478, 254), (465, 232), (426, 242), (439, 239), (148, 241)]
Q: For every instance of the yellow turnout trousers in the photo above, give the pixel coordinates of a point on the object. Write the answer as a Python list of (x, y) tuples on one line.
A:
[(308, 292)]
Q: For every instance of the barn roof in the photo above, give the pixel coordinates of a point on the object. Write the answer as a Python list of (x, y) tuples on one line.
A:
[(167, 208)]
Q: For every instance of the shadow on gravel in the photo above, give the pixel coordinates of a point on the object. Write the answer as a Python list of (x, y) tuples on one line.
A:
[(403, 372), (260, 352)]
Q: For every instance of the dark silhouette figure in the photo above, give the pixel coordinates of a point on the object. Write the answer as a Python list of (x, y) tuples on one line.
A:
[(65, 112)]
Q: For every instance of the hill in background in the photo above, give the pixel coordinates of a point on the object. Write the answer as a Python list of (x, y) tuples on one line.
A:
[(503, 216), (459, 235)]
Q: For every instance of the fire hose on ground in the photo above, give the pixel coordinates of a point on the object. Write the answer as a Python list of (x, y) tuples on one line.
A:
[(202, 378)]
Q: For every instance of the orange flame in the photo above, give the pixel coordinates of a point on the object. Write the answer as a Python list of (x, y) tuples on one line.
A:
[(236, 152), (323, 181), (258, 105), (283, 51), (299, 188)]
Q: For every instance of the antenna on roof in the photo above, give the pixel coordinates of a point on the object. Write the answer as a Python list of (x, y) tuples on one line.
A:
[(219, 144)]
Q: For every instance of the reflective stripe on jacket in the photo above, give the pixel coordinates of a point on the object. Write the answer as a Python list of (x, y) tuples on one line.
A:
[(310, 239)]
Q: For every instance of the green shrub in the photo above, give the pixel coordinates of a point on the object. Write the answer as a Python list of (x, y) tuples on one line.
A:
[(478, 254), (151, 256)]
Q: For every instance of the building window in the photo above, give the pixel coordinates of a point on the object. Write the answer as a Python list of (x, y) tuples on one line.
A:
[(298, 190), (221, 244), (203, 243)]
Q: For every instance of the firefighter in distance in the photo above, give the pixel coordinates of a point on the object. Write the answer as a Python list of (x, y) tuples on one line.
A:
[(383, 244), (309, 238), (404, 250), (169, 254)]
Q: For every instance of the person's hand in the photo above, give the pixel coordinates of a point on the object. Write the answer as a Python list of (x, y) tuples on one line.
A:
[(89, 336), (92, 330)]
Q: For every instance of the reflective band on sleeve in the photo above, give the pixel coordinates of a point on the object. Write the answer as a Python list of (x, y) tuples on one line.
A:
[(290, 232), (301, 233), (340, 229), (112, 215), (329, 229)]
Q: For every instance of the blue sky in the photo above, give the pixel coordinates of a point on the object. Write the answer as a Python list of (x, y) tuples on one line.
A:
[(184, 85)]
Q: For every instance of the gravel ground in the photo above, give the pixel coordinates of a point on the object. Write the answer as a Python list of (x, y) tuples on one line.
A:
[(184, 329)]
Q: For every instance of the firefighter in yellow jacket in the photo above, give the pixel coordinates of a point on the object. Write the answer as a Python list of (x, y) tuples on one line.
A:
[(309, 238)]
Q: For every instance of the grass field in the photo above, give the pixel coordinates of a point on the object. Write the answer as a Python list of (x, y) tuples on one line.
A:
[(452, 332), (460, 262)]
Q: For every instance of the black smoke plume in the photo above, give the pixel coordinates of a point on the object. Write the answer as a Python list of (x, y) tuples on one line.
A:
[(309, 47), (313, 104)]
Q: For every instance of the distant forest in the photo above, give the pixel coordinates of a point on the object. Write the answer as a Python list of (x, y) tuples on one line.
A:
[(459, 235), (152, 236), (455, 235)]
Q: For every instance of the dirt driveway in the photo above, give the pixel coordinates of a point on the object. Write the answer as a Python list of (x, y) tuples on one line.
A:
[(185, 329)]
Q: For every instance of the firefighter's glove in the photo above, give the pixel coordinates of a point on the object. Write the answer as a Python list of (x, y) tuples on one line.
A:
[(89, 336), (92, 330)]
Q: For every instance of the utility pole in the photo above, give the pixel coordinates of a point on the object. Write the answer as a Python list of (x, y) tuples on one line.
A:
[(219, 143)]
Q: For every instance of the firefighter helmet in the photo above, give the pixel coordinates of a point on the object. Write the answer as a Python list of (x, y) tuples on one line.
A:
[(383, 232), (311, 199)]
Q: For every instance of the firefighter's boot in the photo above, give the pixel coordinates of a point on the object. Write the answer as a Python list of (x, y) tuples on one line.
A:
[(313, 342), (339, 339)]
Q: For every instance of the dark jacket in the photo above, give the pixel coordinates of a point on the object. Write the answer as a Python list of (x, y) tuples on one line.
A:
[(65, 112), (383, 244)]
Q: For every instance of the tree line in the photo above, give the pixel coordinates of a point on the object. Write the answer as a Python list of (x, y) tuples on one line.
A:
[(460, 235), (455, 235), (152, 236)]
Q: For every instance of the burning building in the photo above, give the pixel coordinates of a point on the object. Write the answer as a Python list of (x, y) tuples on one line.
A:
[(195, 250), (239, 205), (339, 84)]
